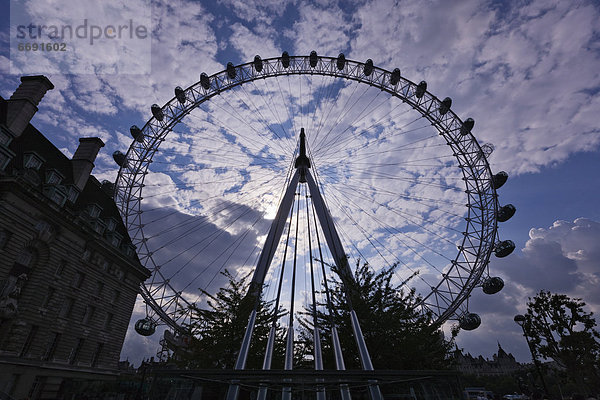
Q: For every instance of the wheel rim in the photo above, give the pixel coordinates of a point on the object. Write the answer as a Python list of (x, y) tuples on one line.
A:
[(445, 297)]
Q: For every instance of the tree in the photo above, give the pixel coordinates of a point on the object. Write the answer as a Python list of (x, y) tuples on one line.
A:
[(217, 330), (397, 335), (562, 330)]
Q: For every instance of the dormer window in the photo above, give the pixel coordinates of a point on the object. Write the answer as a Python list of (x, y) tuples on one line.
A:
[(5, 157), (111, 224), (94, 210), (53, 177), (5, 137), (32, 160), (129, 249), (72, 193), (99, 226), (114, 238), (56, 194)]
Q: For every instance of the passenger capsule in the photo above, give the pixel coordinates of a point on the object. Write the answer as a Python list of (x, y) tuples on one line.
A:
[(313, 58), (157, 112), (120, 159), (504, 248), (368, 69), (505, 213), (445, 105), (204, 81), (421, 89), (493, 285), (136, 133), (180, 94), (395, 78), (499, 179), (341, 61), (285, 59), (469, 321), (231, 70), (258, 64), (145, 326), (466, 127)]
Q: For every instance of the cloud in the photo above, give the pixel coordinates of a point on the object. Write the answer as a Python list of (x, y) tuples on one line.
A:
[(263, 12), (319, 28), (523, 73), (563, 258), (527, 73), (250, 43)]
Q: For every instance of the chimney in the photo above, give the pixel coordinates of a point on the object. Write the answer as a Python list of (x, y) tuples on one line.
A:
[(83, 160), (22, 105)]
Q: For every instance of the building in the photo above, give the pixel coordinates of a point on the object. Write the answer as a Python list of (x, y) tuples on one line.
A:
[(502, 363), (69, 275)]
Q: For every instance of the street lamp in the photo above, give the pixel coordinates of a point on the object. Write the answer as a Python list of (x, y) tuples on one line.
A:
[(520, 320)]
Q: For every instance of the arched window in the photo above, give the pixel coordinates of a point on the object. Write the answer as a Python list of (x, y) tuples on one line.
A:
[(26, 257)]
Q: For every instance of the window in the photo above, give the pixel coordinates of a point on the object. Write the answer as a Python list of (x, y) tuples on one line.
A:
[(4, 158), (108, 321), (45, 230), (86, 255), (53, 177), (98, 226), (114, 238), (88, 315), (12, 384), (4, 237), (116, 296), (60, 268), (99, 288), (28, 341), (48, 298), (67, 308), (111, 224), (97, 354), (5, 137), (104, 265), (129, 249), (52, 345), (72, 193), (32, 160), (78, 279), (36, 387), (94, 210), (116, 272), (25, 257), (76, 351), (56, 194)]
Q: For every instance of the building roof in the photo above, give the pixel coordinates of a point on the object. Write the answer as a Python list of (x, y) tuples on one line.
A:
[(94, 192)]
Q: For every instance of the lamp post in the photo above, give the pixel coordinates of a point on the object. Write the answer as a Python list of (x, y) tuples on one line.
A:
[(520, 320)]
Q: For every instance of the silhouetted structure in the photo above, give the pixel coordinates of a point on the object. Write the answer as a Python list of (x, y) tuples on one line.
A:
[(502, 363), (69, 275)]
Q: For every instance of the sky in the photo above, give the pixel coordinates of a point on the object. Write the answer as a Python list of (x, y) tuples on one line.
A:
[(527, 72)]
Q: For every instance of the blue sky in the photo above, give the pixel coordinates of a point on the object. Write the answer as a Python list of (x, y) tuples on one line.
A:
[(527, 72)]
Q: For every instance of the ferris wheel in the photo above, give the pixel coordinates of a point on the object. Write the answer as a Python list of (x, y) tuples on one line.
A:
[(214, 177)]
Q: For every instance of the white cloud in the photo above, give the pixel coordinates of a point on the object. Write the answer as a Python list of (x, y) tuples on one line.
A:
[(319, 28), (563, 258), (522, 73), (263, 12)]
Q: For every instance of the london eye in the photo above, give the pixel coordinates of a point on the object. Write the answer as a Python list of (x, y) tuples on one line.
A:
[(335, 161)]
